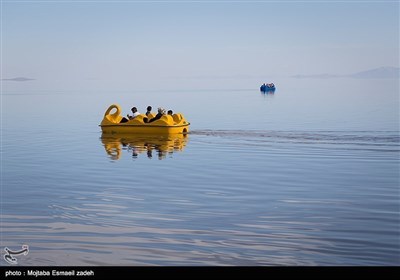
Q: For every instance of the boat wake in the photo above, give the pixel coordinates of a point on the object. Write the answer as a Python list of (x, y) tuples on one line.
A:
[(385, 138)]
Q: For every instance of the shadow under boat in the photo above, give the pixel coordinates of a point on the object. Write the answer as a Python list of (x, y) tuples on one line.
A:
[(153, 146)]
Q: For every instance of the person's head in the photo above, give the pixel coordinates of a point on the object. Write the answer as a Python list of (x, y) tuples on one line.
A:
[(161, 111), (149, 108), (134, 109), (170, 112)]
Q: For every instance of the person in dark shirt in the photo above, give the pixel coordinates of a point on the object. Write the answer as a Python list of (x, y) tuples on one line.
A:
[(161, 112), (148, 110)]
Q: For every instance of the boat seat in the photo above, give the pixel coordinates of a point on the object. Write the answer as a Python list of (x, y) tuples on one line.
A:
[(138, 119), (166, 120), (177, 117)]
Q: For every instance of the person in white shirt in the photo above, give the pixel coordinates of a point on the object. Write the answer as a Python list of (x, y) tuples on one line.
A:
[(135, 113)]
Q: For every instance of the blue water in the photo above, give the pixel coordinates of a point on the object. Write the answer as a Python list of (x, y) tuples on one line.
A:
[(308, 175)]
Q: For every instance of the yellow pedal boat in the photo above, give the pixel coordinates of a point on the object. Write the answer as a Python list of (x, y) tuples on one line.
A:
[(167, 124)]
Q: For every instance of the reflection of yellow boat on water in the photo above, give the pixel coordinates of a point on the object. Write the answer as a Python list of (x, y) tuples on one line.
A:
[(167, 124), (155, 145)]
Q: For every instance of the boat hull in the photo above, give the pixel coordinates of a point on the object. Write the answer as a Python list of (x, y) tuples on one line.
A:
[(144, 129), (267, 88)]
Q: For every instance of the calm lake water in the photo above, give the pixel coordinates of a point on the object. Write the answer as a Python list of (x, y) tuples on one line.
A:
[(308, 175)]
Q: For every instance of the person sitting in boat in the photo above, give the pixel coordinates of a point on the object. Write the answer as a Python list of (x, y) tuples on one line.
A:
[(148, 110), (161, 112), (170, 112), (135, 113), (123, 120)]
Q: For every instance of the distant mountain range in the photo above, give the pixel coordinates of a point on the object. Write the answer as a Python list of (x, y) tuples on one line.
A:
[(377, 73), (18, 79)]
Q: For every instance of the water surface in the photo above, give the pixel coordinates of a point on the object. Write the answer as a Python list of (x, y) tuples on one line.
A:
[(308, 175)]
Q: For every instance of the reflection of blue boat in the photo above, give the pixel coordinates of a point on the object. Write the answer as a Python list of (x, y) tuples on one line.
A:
[(267, 87)]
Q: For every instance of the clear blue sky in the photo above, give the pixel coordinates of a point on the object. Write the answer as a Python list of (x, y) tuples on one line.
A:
[(137, 43)]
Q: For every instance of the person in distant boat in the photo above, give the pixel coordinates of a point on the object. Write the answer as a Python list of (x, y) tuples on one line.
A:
[(135, 113), (161, 112), (148, 110), (170, 112)]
